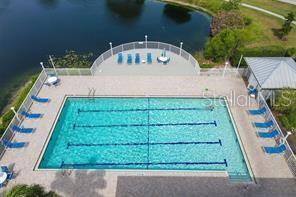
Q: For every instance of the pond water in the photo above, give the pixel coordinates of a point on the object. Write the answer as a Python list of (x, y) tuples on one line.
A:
[(32, 29)]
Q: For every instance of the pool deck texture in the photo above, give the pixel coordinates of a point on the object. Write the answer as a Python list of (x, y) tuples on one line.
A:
[(272, 175)]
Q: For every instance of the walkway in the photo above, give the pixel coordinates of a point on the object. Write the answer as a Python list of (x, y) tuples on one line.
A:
[(266, 11), (289, 1)]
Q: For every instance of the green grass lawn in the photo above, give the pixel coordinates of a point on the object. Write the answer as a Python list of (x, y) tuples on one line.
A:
[(273, 6), (262, 29)]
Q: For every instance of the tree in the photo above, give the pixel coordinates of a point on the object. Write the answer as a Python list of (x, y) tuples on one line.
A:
[(227, 19), (222, 46), (284, 100), (28, 191), (287, 25), (230, 5)]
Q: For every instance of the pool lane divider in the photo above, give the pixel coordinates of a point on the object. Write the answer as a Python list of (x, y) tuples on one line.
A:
[(145, 125), (69, 144), (144, 110), (70, 165)]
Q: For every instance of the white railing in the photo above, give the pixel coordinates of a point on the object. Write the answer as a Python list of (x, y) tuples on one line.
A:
[(233, 72), (144, 45), (289, 155), (25, 106)]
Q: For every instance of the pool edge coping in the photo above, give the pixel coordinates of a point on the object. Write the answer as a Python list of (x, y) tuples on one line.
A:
[(241, 144), (66, 96)]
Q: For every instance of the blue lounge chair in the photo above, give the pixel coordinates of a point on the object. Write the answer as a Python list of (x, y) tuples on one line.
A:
[(29, 115), (263, 124), (257, 111), (120, 58), (253, 91), (39, 100), (8, 172), (9, 144), (129, 59), (137, 58), (22, 130), (275, 150), (149, 58), (270, 134)]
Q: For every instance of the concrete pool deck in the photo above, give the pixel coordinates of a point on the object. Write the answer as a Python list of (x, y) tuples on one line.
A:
[(272, 175)]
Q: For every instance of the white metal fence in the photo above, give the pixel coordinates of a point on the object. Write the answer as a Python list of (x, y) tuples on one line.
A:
[(289, 155), (25, 106), (144, 45), (233, 72)]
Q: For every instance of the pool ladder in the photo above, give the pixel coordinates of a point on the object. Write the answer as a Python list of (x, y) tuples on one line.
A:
[(91, 92)]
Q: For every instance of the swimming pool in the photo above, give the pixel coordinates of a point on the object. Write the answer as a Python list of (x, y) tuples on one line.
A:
[(145, 133)]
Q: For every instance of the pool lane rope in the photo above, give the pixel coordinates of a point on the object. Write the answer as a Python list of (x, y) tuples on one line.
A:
[(81, 165), (145, 125), (69, 144), (209, 108)]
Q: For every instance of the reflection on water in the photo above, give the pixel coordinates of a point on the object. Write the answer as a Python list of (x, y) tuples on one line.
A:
[(4, 4), (177, 14), (49, 3), (126, 9), (30, 30)]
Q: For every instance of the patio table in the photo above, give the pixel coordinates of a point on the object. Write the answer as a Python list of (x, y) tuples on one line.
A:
[(3, 177)]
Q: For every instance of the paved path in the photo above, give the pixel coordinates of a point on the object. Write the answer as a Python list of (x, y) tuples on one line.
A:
[(266, 11), (289, 1)]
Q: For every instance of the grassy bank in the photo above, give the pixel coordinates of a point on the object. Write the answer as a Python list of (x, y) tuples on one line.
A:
[(263, 27), (273, 6), (16, 101), (198, 5)]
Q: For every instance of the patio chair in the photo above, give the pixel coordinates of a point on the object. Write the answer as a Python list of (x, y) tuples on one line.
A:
[(31, 115), (22, 130), (120, 58), (275, 150), (39, 100), (270, 134), (137, 58), (263, 124), (257, 111), (129, 59), (149, 58), (9, 144)]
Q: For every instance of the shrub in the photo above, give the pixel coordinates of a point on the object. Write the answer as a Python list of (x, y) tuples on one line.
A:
[(8, 115), (291, 52), (223, 20), (285, 100), (224, 45), (285, 103), (289, 120), (269, 51), (211, 5), (28, 191), (231, 5)]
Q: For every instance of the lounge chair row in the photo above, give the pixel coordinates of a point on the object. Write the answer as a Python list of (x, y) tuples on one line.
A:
[(137, 58), (18, 129), (272, 133)]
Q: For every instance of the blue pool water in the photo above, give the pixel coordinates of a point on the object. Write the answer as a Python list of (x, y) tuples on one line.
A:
[(145, 133)]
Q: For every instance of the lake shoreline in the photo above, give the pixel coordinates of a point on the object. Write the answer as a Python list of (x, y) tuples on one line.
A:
[(188, 5)]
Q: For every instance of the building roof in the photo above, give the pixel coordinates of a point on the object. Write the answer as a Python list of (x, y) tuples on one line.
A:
[(273, 72)]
